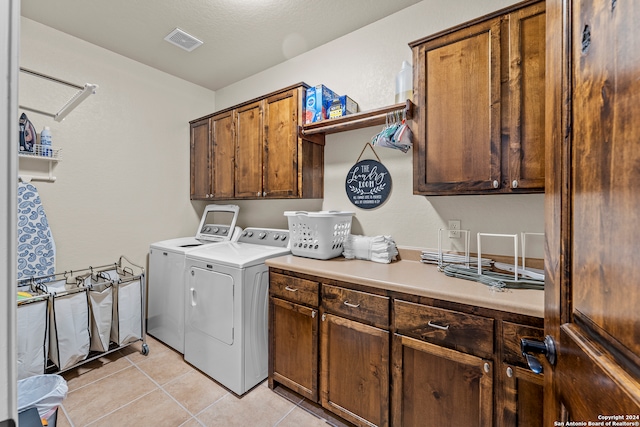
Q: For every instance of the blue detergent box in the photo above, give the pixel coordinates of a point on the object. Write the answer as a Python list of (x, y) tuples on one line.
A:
[(318, 102), (341, 106)]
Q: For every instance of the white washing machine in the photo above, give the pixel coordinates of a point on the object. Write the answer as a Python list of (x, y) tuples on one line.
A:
[(227, 288), (165, 312)]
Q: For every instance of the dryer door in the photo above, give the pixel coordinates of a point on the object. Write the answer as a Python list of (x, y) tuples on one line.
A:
[(209, 305)]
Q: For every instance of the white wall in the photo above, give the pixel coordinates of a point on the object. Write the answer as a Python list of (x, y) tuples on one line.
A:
[(123, 181), (363, 65)]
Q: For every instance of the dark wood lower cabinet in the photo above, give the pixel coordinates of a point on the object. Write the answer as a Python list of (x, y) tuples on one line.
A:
[(384, 358), (523, 400), (435, 386), (294, 347), (354, 376)]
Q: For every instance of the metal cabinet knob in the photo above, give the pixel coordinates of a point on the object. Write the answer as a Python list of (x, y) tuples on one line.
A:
[(496, 184), (487, 368), (509, 372), (514, 184), (258, 194)]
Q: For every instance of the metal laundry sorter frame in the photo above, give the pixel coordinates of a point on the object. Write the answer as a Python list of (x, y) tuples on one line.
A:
[(119, 279)]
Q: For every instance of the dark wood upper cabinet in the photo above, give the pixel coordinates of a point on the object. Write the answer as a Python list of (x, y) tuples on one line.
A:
[(249, 150), (200, 186), (223, 155), (479, 91), (254, 150)]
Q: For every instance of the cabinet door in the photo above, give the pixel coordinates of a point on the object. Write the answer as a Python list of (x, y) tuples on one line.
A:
[(249, 151), (457, 89), (200, 187), (523, 394), (527, 97), (354, 376), (436, 386), (294, 347), (223, 155), (281, 145)]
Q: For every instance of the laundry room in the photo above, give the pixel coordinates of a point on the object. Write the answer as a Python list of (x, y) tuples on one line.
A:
[(123, 179), (123, 176)]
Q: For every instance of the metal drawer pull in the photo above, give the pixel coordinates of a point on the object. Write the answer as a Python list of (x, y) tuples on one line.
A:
[(433, 325), (290, 289), (348, 304)]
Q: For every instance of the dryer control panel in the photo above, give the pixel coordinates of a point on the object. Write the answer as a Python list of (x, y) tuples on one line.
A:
[(265, 236)]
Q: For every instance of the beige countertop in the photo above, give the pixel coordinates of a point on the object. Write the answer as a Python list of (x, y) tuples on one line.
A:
[(417, 278)]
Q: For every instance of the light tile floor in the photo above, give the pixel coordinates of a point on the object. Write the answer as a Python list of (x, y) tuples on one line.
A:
[(126, 388)]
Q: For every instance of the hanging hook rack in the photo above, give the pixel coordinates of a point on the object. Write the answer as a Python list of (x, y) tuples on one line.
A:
[(82, 94)]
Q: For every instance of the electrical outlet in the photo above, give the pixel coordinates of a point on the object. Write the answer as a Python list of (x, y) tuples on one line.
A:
[(454, 229)]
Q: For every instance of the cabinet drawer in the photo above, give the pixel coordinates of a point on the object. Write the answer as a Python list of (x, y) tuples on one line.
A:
[(465, 332), (512, 333), (294, 289), (363, 306)]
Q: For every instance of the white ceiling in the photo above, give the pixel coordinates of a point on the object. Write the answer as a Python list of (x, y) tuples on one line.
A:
[(241, 37)]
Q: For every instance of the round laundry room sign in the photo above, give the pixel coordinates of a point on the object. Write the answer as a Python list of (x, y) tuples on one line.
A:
[(368, 184)]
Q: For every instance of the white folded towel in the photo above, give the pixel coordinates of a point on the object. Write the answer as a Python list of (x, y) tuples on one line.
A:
[(380, 249)]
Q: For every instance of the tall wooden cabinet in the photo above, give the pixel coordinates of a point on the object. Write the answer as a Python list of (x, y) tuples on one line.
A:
[(253, 150), (591, 211), (479, 88)]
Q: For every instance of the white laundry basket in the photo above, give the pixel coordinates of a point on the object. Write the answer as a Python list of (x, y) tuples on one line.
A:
[(319, 235)]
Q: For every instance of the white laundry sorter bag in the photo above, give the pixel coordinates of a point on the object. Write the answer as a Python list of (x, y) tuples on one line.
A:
[(69, 337), (32, 336), (126, 326), (100, 292)]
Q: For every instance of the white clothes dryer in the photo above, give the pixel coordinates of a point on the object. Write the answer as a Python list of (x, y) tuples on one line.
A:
[(227, 288), (165, 312)]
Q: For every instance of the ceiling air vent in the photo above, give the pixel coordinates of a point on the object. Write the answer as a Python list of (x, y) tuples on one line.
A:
[(183, 40)]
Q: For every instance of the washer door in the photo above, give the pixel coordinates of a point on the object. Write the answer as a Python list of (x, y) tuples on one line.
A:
[(165, 310), (210, 304)]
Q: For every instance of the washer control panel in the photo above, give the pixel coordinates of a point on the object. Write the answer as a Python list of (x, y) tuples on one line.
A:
[(265, 236), (216, 230)]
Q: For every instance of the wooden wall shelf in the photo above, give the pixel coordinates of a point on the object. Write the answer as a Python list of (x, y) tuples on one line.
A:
[(356, 121)]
